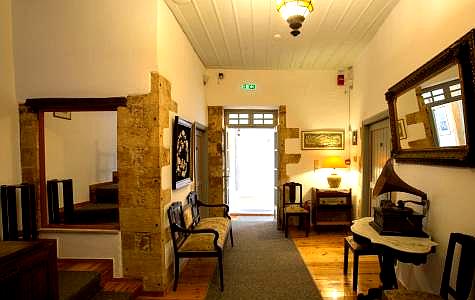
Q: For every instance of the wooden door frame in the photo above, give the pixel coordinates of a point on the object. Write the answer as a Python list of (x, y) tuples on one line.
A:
[(366, 159)]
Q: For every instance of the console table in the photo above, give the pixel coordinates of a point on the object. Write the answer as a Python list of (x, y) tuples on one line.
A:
[(403, 248), (331, 207)]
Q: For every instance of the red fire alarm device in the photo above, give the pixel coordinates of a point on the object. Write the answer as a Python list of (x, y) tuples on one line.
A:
[(340, 79)]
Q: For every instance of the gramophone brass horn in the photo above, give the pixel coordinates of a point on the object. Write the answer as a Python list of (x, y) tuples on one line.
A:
[(389, 181)]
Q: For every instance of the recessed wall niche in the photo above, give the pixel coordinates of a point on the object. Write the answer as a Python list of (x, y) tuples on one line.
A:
[(82, 146), (69, 151)]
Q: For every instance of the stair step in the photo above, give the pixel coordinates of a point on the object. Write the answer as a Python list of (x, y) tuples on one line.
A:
[(112, 288), (78, 285), (104, 295), (102, 266), (124, 285)]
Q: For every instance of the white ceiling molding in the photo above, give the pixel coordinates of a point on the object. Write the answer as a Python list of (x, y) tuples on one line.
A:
[(240, 34)]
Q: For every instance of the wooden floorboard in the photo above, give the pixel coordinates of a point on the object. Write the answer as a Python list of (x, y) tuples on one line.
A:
[(321, 252)]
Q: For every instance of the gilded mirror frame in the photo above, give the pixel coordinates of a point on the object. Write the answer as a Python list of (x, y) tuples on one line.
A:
[(462, 52)]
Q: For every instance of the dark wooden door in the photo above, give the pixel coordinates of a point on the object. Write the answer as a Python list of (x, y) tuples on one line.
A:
[(200, 163)]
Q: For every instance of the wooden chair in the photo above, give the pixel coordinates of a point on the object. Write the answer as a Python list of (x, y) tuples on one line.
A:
[(465, 274), (10, 210), (358, 250), (293, 208)]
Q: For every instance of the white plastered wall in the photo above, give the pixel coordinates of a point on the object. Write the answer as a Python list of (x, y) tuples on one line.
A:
[(179, 63), (313, 101), (9, 126), (414, 32), (100, 244), (83, 48)]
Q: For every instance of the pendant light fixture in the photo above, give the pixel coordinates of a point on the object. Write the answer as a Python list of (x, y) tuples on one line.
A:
[(294, 12)]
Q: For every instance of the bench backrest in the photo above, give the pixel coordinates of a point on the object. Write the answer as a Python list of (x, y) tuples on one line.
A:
[(175, 217), (192, 199)]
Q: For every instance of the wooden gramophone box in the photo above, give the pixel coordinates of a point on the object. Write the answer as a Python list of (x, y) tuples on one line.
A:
[(398, 221)]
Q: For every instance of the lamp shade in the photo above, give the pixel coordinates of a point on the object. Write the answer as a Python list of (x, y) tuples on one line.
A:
[(294, 12), (289, 8), (333, 162)]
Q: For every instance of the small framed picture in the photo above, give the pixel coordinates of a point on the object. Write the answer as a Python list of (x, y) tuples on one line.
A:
[(62, 115), (354, 137)]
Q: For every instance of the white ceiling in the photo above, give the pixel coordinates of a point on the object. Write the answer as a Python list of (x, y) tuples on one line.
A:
[(239, 34)]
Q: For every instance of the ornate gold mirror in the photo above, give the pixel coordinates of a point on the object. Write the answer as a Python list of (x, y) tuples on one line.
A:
[(431, 110)]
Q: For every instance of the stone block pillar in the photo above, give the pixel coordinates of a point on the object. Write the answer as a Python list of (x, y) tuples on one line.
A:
[(142, 195), (29, 151), (216, 157), (284, 158)]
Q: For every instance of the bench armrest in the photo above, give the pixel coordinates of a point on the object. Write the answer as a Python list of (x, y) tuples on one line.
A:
[(225, 206)]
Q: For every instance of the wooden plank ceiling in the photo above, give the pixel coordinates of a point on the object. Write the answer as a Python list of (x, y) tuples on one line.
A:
[(241, 34)]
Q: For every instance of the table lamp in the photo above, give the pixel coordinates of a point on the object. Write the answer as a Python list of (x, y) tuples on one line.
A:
[(334, 162)]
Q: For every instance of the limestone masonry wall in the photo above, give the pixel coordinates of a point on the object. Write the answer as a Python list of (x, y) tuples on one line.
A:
[(142, 198)]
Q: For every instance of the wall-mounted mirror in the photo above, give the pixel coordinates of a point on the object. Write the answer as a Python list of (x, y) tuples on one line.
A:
[(430, 109)]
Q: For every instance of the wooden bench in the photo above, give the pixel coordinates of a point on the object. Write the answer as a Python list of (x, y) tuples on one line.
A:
[(193, 236)]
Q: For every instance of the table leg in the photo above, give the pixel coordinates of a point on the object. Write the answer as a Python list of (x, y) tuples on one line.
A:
[(388, 274)]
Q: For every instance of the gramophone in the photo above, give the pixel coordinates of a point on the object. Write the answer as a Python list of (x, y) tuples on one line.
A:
[(392, 219)]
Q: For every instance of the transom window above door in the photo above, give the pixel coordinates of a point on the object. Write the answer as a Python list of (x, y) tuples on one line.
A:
[(442, 93), (251, 118)]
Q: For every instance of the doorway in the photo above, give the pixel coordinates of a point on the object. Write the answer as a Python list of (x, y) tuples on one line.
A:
[(250, 161), (251, 170), (377, 149)]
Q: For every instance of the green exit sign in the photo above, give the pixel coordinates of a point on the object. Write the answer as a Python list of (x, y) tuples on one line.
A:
[(248, 86)]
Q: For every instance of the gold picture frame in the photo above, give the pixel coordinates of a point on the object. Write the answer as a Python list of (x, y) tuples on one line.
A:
[(323, 139)]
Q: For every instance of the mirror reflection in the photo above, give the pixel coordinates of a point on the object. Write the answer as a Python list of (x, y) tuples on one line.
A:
[(431, 115), (80, 164)]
